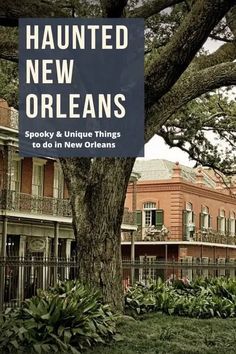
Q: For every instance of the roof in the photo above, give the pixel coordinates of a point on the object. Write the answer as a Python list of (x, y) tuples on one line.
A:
[(154, 170)]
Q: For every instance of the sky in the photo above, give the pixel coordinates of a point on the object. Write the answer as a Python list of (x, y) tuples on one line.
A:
[(156, 148)]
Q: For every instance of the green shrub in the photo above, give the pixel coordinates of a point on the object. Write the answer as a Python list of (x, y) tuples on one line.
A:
[(202, 298), (64, 319)]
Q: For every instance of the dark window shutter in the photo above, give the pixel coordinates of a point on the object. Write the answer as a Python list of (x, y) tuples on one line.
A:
[(159, 218), (185, 216), (193, 217), (229, 226), (209, 220), (201, 220), (138, 217), (218, 223)]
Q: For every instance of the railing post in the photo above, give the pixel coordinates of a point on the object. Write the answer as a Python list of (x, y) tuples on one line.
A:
[(132, 257), (166, 259), (173, 264), (22, 269), (3, 256), (68, 258), (55, 250)]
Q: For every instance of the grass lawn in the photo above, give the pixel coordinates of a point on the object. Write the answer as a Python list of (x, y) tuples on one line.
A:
[(158, 333)]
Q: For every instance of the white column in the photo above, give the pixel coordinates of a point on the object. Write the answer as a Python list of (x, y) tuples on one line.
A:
[(21, 268), (45, 268), (68, 257)]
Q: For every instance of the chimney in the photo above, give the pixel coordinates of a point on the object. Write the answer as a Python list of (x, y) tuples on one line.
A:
[(176, 175), (199, 177)]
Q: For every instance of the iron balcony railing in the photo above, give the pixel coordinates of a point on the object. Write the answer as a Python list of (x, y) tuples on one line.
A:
[(27, 203), (9, 118), (210, 236)]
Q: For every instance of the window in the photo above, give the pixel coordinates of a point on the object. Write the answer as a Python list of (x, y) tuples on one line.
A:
[(149, 214), (190, 214), (205, 218), (232, 222), (221, 222), (37, 183), (188, 221), (58, 182), (15, 175)]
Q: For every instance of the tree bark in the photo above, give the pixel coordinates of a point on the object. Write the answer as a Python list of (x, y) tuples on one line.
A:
[(163, 73), (186, 90), (97, 201)]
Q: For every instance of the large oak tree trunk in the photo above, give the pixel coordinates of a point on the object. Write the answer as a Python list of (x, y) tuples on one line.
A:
[(97, 191)]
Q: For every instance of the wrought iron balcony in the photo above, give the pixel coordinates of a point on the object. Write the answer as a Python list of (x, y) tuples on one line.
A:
[(9, 118), (209, 236), (214, 236), (26, 203)]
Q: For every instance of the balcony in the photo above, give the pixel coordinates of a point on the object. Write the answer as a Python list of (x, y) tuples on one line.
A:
[(205, 236), (213, 236), (9, 118), (25, 203)]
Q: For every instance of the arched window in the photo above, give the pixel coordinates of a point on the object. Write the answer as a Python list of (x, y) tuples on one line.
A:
[(205, 219), (221, 222), (188, 221), (149, 205), (189, 206)]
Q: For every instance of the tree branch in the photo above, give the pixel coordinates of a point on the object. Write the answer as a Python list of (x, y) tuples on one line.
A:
[(8, 22), (225, 53), (231, 20), (219, 38), (113, 8), (196, 155), (9, 57), (163, 72), (186, 90), (152, 8), (12, 10)]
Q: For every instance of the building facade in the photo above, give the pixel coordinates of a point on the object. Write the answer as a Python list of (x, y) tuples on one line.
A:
[(182, 214), (35, 212)]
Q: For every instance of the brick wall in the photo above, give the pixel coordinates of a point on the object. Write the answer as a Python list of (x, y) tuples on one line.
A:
[(5, 113)]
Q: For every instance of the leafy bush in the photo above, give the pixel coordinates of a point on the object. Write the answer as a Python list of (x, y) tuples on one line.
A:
[(203, 298), (64, 319)]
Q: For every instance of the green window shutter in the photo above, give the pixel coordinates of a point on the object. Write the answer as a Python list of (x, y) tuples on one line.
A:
[(201, 220), (138, 217), (226, 225), (229, 226), (185, 215), (159, 218), (193, 217), (218, 223), (210, 221)]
